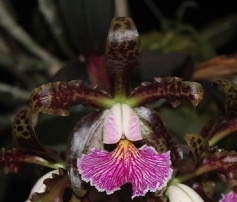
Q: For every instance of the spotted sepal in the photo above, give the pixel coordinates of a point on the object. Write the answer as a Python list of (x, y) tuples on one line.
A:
[(173, 89), (197, 145), (87, 134), (230, 91), (155, 133), (224, 162), (24, 135), (123, 53), (57, 98)]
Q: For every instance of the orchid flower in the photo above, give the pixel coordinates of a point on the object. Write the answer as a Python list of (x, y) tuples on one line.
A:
[(229, 197), (122, 141)]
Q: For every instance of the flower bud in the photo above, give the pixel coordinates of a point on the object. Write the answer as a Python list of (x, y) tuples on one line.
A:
[(182, 193)]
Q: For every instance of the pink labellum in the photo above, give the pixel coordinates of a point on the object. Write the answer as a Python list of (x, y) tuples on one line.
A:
[(144, 168), (230, 197), (120, 122)]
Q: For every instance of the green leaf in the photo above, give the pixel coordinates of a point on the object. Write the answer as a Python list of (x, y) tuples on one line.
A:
[(24, 135), (171, 88), (87, 22)]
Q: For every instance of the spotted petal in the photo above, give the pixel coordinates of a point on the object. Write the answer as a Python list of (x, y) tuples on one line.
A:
[(144, 168), (57, 97), (173, 89)]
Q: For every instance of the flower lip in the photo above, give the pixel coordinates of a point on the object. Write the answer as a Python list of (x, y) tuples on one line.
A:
[(144, 168), (121, 122)]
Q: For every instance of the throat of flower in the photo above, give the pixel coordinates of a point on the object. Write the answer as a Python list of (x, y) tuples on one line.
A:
[(125, 149)]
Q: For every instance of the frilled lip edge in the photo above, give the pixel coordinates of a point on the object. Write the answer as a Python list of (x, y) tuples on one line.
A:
[(229, 197), (144, 168)]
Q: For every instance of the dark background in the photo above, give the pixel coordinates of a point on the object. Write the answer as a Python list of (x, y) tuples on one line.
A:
[(204, 13)]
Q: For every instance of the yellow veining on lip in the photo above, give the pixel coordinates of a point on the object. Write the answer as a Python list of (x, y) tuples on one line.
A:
[(125, 149)]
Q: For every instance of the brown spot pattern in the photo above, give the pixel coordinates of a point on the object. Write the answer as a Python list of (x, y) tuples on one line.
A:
[(173, 89), (21, 125), (123, 52), (57, 98), (23, 132), (230, 90), (197, 145)]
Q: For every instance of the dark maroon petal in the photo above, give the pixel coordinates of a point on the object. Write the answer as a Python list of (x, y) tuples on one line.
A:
[(220, 161), (123, 52), (222, 126), (87, 134), (24, 135), (57, 98), (173, 89), (155, 133)]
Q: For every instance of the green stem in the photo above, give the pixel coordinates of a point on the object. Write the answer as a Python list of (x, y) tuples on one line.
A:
[(229, 128), (40, 161), (216, 139)]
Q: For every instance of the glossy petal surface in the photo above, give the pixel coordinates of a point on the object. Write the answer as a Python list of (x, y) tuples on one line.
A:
[(120, 122), (230, 197), (144, 168)]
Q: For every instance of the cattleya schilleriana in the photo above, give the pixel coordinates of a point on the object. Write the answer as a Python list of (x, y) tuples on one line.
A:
[(122, 141)]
